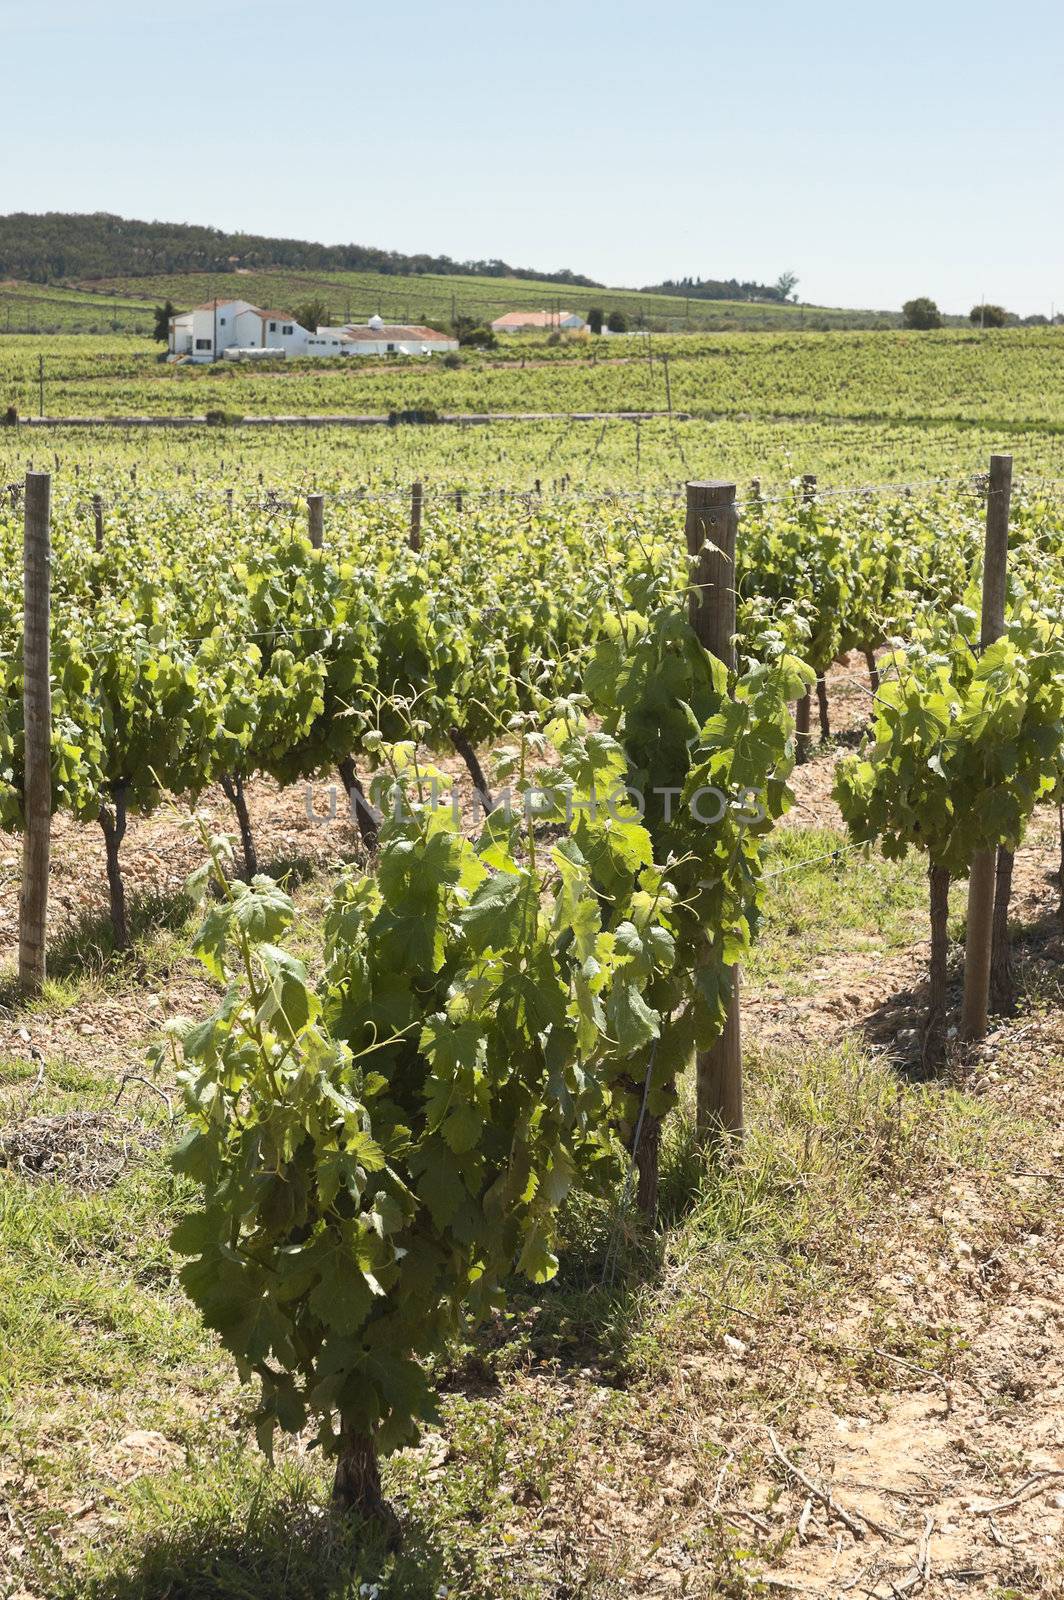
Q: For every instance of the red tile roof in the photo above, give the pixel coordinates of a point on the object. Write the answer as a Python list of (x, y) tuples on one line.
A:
[(248, 310), (531, 319)]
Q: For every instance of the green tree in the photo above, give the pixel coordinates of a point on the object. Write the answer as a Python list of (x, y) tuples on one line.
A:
[(312, 314), (617, 322), (786, 284), (595, 318), (163, 313), (921, 313), (988, 316), (473, 334)]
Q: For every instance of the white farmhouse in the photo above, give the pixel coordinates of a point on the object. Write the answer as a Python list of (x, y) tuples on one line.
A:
[(207, 332), (235, 330)]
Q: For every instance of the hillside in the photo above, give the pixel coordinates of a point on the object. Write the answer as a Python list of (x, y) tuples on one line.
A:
[(97, 273), (42, 247), (124, 304)]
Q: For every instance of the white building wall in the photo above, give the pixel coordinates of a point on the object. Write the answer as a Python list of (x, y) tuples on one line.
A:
[(247, 330), (398, 347), (230, 315), (181, 334), (203, 335), (293, 343), (326, 342)]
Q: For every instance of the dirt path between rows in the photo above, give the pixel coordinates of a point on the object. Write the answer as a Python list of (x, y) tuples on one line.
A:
[(927, 1485)]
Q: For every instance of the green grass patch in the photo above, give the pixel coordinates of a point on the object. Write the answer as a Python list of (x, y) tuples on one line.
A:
[(823, 899)]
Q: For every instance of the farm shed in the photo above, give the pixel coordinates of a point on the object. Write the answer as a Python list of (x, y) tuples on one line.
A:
[(538, 322), (379, 338)]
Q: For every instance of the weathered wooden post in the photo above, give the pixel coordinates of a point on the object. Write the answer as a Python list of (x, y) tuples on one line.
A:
[(984, 864), (712, 524), (803, 710), (97, 518), (316, 519), (37, 717), (416, 501)]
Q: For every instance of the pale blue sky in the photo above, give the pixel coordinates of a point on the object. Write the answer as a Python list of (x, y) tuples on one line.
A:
[(881, 151)]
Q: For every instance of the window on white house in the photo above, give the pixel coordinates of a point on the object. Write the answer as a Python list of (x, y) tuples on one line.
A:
[(203, 344), (273, 327), (286, 328), (391, 347), (221, 322)]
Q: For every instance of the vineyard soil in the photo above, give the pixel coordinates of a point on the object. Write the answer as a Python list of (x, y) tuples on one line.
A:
[(839, 1366)]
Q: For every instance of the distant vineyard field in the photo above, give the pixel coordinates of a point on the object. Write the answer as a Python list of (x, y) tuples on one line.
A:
[(101, 305), (27, 308), (1006, 381)]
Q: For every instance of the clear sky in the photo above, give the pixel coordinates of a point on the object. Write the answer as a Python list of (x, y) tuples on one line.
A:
[(879, 151)]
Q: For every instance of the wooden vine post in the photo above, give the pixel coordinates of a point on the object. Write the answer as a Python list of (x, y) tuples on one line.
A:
[(416, 502), (97, 519), (37, 715), (316, 519), (984, 864), (803, 710), (712, 523)]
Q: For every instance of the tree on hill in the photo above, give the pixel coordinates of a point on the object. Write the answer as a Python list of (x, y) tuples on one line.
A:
[(473, 334), (617, 322), (988, 316), (921, 313), (163, 313), (595, 318), (786, 284), (722, 288), (311, 315)]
